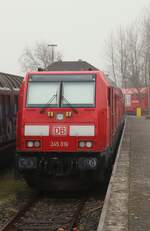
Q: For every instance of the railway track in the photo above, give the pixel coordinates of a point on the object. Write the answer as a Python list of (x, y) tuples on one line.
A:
[(8, 145), (50, 214), (7, 152)]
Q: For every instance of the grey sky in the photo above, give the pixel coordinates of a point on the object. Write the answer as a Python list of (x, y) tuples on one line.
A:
[(79, 27)]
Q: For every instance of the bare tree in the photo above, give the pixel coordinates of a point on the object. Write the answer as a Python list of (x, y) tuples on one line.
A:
[(111, 57), (146, 46), (117, 56), (135, 59), (122, 56), (38, 56), (126, 60), (129, 55)]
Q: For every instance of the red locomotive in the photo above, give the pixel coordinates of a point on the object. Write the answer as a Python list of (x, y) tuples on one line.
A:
[(136, 98), (68, 124)]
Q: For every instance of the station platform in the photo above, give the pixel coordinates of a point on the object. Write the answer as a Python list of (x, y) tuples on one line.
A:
[(127, 202)]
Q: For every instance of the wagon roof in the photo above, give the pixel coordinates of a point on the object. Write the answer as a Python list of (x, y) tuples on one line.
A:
[(10, 81)]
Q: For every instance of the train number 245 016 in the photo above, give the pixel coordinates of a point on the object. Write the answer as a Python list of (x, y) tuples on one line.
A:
[(59, 144)]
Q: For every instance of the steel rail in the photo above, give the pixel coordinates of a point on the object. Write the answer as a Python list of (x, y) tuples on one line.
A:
[(10, 225), (76, 218), (8, 145)]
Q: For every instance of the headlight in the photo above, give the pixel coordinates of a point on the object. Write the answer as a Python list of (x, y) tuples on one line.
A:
[(89, 144), (82, 144), (68, 114), (29, 144), (33, 143), (37, 144)]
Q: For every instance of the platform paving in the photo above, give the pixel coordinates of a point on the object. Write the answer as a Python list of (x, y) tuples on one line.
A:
[(127, 203)]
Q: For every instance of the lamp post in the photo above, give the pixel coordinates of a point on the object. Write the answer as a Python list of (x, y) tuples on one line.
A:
[(125, 81), (52, 49)]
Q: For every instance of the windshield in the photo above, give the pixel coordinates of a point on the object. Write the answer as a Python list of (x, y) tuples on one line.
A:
[(39, 94), (79, 94), (65, 92)]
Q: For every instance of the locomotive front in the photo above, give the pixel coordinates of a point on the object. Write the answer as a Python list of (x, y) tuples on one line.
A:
[(57, 129)]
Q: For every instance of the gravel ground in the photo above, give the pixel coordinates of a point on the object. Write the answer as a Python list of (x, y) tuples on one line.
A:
[(13, 195), (90, 215), (53, 214), (49, 214)]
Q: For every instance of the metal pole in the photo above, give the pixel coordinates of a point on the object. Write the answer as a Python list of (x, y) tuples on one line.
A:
[(148, 96), (148, 88), (52, 50)]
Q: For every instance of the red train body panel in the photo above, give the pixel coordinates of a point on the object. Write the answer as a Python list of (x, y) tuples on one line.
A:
[(75, 128), (136, 99)]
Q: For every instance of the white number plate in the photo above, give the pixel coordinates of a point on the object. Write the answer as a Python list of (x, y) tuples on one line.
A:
[(59, 130)]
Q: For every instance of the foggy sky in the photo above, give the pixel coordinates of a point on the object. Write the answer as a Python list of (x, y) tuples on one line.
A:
[(79, 27)]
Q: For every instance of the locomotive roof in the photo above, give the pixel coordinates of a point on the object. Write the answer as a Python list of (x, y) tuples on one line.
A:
[(10, 81), (71, 66), (110, 81), (77, 66)]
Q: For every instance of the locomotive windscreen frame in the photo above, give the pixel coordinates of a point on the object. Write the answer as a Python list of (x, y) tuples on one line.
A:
[(62, 77), (55, 91)]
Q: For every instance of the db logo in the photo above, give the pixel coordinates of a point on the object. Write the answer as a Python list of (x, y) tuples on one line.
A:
[(59, 131)]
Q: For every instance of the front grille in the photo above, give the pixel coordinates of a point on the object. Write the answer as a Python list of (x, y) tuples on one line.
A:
[(57, 166)]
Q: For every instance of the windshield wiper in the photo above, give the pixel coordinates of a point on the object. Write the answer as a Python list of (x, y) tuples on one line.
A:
[(49, 102), (70, 105)]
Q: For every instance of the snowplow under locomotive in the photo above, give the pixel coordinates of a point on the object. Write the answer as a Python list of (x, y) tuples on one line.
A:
[(68, 124)]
